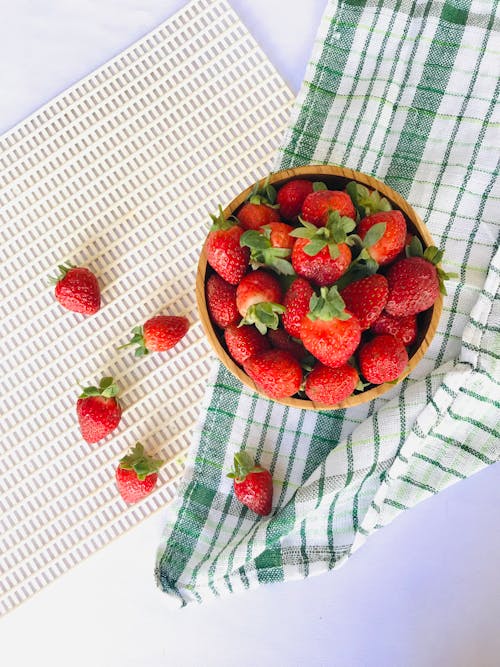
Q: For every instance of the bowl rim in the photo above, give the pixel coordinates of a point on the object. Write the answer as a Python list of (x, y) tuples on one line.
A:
[(280, 178)]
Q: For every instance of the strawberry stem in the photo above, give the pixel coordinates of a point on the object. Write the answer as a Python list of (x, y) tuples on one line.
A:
[(63, 268), (137, 339)]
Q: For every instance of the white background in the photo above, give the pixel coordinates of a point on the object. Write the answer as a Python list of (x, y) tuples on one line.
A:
[(423, 592)]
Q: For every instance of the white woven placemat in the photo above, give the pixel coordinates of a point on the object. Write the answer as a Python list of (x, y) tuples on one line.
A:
[(110, 175)]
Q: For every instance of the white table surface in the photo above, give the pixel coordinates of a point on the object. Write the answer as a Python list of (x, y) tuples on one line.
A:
[(424, 591)]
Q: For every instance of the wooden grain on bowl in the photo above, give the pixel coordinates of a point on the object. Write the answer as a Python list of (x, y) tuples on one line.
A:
[(335, 178)]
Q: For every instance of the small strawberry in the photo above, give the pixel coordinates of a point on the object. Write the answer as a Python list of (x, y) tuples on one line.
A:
[(366, 298), (136, 475), (281, 340), (221, 301), (261, 207), (276, 373), (253, 485), (291, 197), (296, 302), (98, 410), (318, 205), (258, 298), (329, 332), (382, 359), (416, 282), (392, 240), (254, 216), (158, 334), (402, 328), (265, 249), (77, 289), (244, 342), (366, 200), (223, 250), (322, 255), (331, 385)]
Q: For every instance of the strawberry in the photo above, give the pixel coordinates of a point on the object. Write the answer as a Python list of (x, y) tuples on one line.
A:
[(392, 240), (253, 485), (382, 359), (291, 197), (402, 328), (282, 341), (366, 298), (328, 331), (136, 475), (270, 246), (276, 373), (221, 301), (243, 342), (223, 250), (317, 206), (77, 289), (158, 334), (415, 282), (331, 385), (296, 302), (98, 410), (322, 255), (258, 298), (254, 216)]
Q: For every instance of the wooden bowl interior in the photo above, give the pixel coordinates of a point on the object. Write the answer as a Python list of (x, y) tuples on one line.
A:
[(336, 178)]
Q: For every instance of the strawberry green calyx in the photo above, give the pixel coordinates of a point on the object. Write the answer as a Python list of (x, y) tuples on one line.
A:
[(263, 253), (107, 389), (361, 267), (142, 464), (327, 306), (63, 268), (432, 255), (332, 234), (264, 316), (137, 339), (263, 194), (243, 466), (319, 185), (221, 222), (366, 202)]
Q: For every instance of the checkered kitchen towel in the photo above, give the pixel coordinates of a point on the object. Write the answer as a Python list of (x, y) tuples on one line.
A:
[(406, 91)]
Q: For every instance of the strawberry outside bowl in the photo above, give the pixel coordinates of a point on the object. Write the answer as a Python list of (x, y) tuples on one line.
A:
[(335, 178)]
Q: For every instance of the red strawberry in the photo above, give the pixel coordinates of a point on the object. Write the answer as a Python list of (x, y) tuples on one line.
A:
[(296, 302), (98, 410), (382, 359), (77, 289), (160, 333), (136, 475), (366, 298), (280, 235), (258, 298), (254, 216), (276, 373), (331, 385), (392, 240), (221, 301), (317, 205), (328, 331), (243, 342), (282, 341), (291, 197), (413, 286), (321, 268), (223, 250), (253, 485), (402, 328)]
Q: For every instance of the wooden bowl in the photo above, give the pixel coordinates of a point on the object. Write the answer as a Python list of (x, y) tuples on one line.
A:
[(336, 178)]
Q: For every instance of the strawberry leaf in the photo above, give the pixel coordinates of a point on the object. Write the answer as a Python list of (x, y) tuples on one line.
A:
[(366, 202), (374, 234), (243, 466), (63, 270), (221, 222), (415, 248), (263, 194), (254, 240), (433, 255), (328, 305), (141, 463), (264, 316), (107, 389), (319, 185), (314, 246)]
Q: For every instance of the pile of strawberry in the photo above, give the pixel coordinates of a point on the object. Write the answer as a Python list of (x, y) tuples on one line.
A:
[(317, 292)]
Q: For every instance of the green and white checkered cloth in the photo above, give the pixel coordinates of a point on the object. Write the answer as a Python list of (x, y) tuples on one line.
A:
[(406, 91)]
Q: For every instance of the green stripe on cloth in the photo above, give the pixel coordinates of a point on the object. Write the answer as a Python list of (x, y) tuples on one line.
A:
[(404, 90)]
